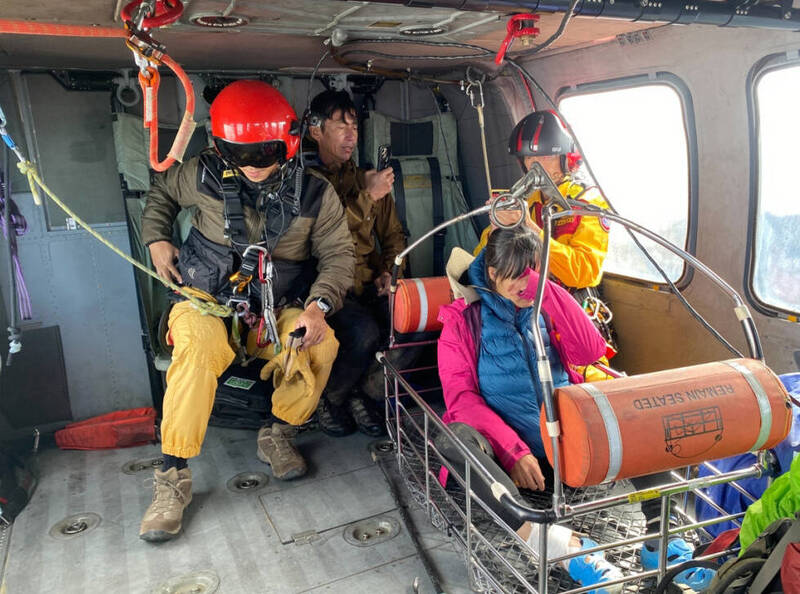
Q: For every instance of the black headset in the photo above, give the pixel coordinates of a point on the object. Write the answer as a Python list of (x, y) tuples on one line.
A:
[(313, 120)]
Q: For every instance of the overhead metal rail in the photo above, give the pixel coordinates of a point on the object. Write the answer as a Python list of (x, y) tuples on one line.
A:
[(743, 13)]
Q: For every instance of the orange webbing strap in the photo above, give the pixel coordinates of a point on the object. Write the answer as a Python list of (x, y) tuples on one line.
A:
[(15, 27), (149, 86)]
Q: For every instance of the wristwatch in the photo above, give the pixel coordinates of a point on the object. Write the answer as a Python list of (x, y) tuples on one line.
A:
[(323, 304)]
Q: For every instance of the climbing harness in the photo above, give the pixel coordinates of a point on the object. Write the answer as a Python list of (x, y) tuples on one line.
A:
[(597, 310), (256, 264), (148, 54), (280, 206)]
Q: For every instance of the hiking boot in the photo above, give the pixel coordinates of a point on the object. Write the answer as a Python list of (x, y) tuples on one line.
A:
[(275, 447), (678, 551), (366, 417), (594, 569), (172, 492), (334, 420)]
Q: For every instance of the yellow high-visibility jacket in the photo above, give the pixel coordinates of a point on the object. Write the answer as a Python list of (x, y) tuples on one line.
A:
[(578, 245)]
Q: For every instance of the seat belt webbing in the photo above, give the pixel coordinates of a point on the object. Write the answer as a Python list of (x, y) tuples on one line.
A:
[(398, 189), (438, 216)]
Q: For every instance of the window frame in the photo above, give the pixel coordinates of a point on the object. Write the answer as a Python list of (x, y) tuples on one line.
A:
[(687, 108), (767, 64)]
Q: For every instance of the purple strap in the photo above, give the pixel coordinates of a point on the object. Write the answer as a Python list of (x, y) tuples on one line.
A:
[(20, 226)]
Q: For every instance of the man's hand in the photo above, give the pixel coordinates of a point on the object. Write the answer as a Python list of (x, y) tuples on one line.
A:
[(527, 474), (313, 320), (383, 283), (379, 183), (164, 256)]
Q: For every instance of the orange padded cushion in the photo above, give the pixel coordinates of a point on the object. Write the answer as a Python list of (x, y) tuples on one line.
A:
[(632, 426), (417, 303)]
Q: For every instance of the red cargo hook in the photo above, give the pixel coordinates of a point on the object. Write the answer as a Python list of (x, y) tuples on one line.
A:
[(519, 25), (166, 13)]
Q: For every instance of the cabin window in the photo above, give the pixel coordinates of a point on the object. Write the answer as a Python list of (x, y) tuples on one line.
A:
[(775, 271), (634, 136)]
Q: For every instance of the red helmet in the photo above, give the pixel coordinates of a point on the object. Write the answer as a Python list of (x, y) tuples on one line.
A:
[(253, 124)]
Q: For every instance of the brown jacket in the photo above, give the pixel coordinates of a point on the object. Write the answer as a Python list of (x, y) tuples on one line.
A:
[(368, 220), (319, 231)]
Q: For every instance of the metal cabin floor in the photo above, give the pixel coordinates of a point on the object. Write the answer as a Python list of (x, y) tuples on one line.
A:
[(246, 538)]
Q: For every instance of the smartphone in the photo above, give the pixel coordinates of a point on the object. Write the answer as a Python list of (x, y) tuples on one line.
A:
[(384, 156), (298, 333)]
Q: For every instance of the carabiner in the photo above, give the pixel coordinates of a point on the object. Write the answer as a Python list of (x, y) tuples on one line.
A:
[(240, 281), (261, 332), (264, 267)]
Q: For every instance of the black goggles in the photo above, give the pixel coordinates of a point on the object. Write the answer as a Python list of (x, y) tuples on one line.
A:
[(255, 154)]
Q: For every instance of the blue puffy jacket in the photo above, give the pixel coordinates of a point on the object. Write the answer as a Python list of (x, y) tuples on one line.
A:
[(507, 372)]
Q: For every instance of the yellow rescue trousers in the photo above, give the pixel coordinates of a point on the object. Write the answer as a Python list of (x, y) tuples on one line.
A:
[(201, 354)]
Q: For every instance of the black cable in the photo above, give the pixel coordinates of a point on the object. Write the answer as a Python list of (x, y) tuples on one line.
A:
[(306, 110), (695, 314), (312, 77)]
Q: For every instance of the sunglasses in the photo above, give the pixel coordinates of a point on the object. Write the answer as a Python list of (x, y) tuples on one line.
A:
[(255, 154)]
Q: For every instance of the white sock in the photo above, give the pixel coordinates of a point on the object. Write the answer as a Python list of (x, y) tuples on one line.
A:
[(558, 541)]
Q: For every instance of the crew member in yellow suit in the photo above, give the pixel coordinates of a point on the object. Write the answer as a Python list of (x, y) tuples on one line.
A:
[(578, 244)]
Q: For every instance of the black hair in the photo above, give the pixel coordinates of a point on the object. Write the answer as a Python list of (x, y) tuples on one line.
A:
[(511, 251), (327, 103)]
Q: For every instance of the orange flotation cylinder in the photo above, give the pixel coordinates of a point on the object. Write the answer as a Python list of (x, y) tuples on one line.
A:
[(119, 429), (417, 303), (649, 423)]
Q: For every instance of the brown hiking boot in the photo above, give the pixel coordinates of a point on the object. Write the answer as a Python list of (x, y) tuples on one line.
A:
[(172, 492), (276, 449)]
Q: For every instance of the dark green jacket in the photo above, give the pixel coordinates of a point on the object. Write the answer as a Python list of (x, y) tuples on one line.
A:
[(318, 237)]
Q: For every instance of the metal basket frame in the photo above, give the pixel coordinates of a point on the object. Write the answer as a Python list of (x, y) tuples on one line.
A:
[(498, 560)]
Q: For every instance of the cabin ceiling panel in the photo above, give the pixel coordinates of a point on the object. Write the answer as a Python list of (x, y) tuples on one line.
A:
[(286, 33)]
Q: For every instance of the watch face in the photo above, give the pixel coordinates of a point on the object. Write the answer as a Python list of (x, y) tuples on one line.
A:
[(323, 305)]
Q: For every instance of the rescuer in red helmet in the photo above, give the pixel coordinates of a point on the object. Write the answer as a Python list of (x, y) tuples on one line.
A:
[(266, 235)]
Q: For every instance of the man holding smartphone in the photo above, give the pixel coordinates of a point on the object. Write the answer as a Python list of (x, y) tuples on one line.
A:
[(378, 237)]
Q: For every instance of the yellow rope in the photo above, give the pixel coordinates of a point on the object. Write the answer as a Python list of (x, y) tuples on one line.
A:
[(205, 306)]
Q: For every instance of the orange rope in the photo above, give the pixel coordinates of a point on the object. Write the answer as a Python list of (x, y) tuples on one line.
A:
[(50, 29)]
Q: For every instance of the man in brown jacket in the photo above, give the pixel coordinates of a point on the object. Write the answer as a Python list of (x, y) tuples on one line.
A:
[(377, 237), (246, 192)]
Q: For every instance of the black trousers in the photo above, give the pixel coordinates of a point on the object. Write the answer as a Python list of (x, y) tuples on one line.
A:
[(362, 328), (652, 507), (359, 333), (480, 447)]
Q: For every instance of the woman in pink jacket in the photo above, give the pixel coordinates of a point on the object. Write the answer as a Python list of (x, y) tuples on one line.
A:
[(493, 292)]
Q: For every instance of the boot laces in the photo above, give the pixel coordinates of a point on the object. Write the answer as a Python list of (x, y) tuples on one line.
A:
[(165, 496), (283, 446)]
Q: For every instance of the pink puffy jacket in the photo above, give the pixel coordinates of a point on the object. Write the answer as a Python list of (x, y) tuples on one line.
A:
[(578, 343)]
